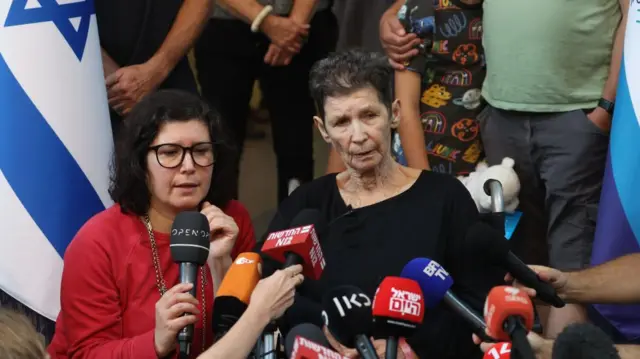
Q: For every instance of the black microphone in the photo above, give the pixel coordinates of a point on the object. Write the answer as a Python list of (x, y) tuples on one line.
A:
[(482, 239), (347, 316), (190, 249), (584, 341)]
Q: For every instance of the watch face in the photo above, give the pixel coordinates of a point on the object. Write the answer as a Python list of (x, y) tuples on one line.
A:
[(605, 104)]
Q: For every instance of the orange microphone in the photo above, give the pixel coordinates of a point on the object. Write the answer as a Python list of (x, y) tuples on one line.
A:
[(499, 351), (232, 298), (508, 313)]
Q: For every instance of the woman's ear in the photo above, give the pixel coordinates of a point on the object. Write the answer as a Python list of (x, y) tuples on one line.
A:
[(395, 114), (321, 127)]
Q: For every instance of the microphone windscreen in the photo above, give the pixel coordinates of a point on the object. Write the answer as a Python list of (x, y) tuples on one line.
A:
[(232, 297), (584, 341), (308, 216), (398, 307), (432, 278), (307, 331), (482, 240), (242, 277), (190, 238), (347, 313), (504, 302), (499, 351)]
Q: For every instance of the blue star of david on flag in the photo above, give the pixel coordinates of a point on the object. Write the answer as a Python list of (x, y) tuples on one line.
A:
[(62, 17)]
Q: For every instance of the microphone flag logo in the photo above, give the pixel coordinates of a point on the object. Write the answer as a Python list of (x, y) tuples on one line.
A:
[(55, 141), (618, 229)]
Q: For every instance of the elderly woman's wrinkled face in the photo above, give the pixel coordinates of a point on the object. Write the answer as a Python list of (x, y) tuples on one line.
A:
[(185, 185), (358, 126)]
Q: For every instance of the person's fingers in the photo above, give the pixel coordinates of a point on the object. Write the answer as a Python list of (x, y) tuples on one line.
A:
[(486, 346), (179, 309), (298, 280), (395, 26), (181, 322), (293, 270), (113, 78), (405, 48), (403, 57), (396, 66), (179, 288), (476, 339), (181, 298)]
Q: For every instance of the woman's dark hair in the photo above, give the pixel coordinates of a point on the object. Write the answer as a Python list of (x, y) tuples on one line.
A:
[(343, 73), (129, 168)]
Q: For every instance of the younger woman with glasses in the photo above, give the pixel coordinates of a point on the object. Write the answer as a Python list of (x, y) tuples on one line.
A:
[(119, 293)]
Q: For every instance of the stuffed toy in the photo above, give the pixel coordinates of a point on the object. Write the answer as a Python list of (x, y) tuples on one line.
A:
[(504, 173)]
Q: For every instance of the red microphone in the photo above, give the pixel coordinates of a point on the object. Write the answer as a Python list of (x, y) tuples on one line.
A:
[(306, 349), (299, 244), (398, 308), (499, 351), (508, 313)]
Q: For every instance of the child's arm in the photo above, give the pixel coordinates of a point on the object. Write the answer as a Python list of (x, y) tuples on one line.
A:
[(407, 88)]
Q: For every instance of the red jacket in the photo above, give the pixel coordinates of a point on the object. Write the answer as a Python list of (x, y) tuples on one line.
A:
[(109, 291)]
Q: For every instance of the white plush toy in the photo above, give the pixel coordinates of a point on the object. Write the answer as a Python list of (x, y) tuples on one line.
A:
[(504, 173)]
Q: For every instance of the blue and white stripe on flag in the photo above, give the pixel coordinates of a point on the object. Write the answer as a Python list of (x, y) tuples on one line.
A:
[(55, 141), (618, 228)]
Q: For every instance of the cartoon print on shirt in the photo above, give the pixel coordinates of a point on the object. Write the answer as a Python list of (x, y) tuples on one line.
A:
[(433, 122), (475, 29), (462, 77), (470, 100), (465, 130), (436, 96), (466, 54), (472, 154)]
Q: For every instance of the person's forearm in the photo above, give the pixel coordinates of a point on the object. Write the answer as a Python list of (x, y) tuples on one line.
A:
[(303, 11), (241, 338), (109, 66), (335, 164), (219, 268), (185, 30), (615, 282), (610, 86), (628, 351), (407, 86), (247, 10)]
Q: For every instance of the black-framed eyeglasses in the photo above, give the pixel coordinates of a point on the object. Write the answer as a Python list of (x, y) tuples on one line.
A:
[(171, 155)]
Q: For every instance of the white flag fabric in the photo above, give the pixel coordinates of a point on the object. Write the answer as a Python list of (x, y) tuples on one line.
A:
[(55, 141)]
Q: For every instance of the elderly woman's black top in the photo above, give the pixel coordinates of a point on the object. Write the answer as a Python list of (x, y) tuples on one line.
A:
[(364, 245)]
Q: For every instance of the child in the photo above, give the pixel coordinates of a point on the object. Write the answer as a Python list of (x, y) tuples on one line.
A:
[(439, 91)]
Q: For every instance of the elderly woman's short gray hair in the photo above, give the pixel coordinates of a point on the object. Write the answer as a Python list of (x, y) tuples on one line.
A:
[(345, 72)]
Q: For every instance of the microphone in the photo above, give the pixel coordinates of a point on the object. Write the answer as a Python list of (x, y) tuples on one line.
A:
[(307, 341), (435, 283), (584, 341), (509, 315), (481, 238), (232, 297), (398, 308), (347, 316), (299, 244), (499, 351), (189, 245)]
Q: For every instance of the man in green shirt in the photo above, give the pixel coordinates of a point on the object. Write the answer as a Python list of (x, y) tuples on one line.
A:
[(552, 72)]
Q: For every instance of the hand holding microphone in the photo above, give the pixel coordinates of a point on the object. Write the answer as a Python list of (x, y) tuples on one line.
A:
[(274, 294), (171, 318), (558, 280)]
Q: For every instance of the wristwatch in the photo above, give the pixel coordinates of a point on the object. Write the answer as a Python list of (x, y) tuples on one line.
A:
[(606, 105)]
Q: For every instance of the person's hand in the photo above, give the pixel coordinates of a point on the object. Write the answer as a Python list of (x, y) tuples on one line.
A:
[(169, 317), (601, 118), (337, 346), (275, 294), (285, 32), (127, 85), (541, 347), (397, 44), (558, 280), (224, 231), (277, 56)]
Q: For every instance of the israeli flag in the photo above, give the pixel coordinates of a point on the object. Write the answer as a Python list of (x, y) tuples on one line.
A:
[(55, 141), (618, 228)]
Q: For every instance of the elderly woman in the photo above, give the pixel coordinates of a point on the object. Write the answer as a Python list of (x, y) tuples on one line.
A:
[(120, 296), (380, 214)]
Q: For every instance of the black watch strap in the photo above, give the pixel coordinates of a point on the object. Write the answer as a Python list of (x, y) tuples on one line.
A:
[(606, 105)]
